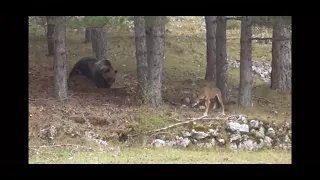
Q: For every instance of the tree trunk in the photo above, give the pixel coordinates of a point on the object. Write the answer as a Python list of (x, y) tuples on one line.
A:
[(211, 27), (221, 57), (281, 59), (60, 60), (155, 60), (245, 86), (98, 43), (50, 31), (87, 35), (141, 56)]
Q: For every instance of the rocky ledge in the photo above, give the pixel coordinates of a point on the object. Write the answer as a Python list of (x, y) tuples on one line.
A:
[(238, 133)]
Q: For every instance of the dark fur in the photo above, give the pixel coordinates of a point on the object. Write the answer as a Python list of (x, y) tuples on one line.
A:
[(100, 72)]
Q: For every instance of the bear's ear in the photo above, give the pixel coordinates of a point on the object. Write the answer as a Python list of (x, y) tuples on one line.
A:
[(115, 71)]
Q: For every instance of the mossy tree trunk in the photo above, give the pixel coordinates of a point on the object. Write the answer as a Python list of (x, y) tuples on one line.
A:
[(98, 43), (50, 31), (221, 56), (155, 57), (211, 27), (60, 59), (245, 86), (87, 35), (281, 58), (141, 57)]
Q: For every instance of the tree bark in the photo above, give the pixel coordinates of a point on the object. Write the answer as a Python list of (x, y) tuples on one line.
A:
[(221, 57), (156, 58), (87, 35), (98, 43), (281, 59), (50, 31), (60, 60), (142, 57), (245, 86), (211, 27)]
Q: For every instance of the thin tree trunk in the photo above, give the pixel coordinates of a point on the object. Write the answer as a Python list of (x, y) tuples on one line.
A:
[(87, 35), (141, 56), (245, 86), (221, 57), (155, 62), (211, 27), (60, 60), (50, 31), (281, 59), (98, 43)]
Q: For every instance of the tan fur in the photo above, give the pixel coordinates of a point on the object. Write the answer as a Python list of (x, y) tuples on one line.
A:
[(209, 92)]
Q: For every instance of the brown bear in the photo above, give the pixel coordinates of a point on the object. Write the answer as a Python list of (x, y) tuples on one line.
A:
[(100, 72)]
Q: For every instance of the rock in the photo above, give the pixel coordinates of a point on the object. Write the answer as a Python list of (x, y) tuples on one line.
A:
[(260, 123), (270, 132), (208, 145), (168, 30), (254, 124), (48, 133), (183, 142), (235, 137), (248, 145), (267, 141), (244, 120), (186, 100), (222, 141), (186, 134), (234, 146), (259, 133), (245, 137), (183, 106), (287, 139), (158, 143), (213, 141), (202, 107), (289, 134), (213, 133), (232, 126), (99, 141), (199, 135), (171, 143), (200, 144)]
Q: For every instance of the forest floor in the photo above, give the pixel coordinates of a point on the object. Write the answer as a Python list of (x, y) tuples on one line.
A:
[(185, 58)]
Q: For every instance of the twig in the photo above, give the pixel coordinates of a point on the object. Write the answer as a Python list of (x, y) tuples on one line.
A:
[(180, 123), (178, 120)]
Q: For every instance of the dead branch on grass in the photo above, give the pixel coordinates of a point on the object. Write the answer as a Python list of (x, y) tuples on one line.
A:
[(181, 123)]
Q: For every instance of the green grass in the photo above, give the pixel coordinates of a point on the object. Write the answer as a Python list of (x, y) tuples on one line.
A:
[(161, 156)]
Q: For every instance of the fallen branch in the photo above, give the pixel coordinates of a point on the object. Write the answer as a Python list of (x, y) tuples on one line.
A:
[(178, 120), (181, 123)]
